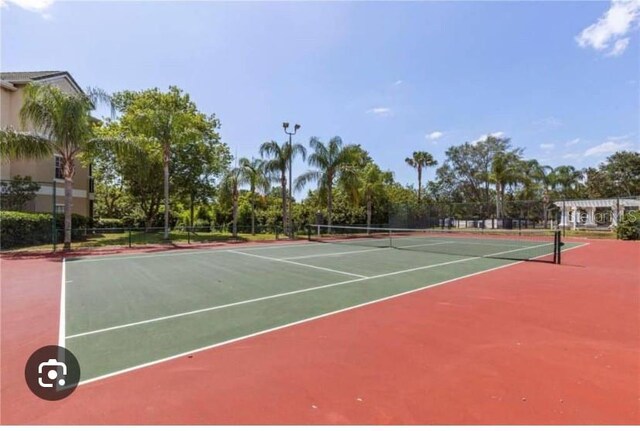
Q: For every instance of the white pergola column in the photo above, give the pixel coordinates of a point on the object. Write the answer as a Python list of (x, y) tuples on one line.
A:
[(614, 216), (564, 217), (591, 217), (574, 217)]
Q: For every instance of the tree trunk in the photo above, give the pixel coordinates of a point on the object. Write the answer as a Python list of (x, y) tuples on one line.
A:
[(283, 182), (419, 183), (368, 213), (235, 213), (329, 205), (497, 201), (166, 191), (68, 206), (253, 211)]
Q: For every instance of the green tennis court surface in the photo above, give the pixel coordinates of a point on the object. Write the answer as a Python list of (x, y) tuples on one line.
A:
[(127, 311)]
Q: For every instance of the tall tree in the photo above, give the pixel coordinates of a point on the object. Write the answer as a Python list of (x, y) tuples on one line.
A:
[(277, 163), (372, 181), (420, 160), (538, 184), (619, 175), (63, 125), (254, 175), (569, 180), (331, 161), (466, 172), (505, 169), (231, 186), (195, 168), (167, 120)]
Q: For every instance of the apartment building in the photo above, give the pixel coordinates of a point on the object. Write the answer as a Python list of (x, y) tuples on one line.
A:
[(46, 171)]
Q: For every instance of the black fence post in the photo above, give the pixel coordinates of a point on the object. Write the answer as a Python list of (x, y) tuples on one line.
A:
[(54, 227)]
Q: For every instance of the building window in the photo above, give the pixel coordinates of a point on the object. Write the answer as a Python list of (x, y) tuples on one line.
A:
[(59, 208), (59, 168)]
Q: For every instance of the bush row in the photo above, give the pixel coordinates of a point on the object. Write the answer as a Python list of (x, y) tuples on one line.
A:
[(21, 229), (629, 227)]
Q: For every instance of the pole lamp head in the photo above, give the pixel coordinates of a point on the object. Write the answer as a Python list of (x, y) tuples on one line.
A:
[(285, 126), (296, 127)]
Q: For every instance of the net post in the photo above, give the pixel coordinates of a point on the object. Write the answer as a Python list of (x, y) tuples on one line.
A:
[(557, 247)]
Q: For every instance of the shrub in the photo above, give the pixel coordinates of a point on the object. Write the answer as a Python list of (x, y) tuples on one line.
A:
[(21, 229), (103, 223), (629, 226)]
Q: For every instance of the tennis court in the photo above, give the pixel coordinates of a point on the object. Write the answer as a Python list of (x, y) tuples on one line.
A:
[(124, 312)]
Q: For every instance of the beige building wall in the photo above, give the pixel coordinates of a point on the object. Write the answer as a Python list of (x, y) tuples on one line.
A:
[(42, 171)]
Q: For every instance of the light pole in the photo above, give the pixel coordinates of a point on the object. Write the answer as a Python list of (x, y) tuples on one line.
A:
[(285, 126)]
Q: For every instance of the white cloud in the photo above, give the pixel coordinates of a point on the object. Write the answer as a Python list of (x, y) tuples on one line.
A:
[(398, 82), (548, 123), (37, 6), (571, 156), (547, 146), (484, 137), (572, 142), (606, 148), (620, 19), (619, 47), (31, 5), (619, 138), (435, 135), (380, 112)]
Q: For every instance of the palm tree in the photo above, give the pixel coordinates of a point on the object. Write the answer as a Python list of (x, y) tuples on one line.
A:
[(231, 184), (419, 161), (371, 185), (278, 164), (568, 178), (331, 162), (504, 171), (63, 125), (536, 178), (254, 175)]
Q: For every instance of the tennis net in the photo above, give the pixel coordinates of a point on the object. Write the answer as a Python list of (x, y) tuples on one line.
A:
[(538, 245)]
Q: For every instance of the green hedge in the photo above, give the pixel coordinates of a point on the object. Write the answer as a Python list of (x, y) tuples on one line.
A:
[(21, 229), (102, 223), (629, 227)]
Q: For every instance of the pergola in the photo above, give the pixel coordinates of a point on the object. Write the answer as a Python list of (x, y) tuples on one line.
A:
[(574, 211)]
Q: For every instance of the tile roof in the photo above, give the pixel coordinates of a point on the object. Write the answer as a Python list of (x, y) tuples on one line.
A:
[(24, 76)]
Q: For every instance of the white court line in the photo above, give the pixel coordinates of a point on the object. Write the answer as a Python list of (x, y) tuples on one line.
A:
[(363, 251), (264, 298), (275, 259), (63, 306), (299, 322), (278, 295)]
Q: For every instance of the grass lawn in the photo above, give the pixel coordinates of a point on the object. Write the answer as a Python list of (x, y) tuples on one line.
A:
[(143, 238)]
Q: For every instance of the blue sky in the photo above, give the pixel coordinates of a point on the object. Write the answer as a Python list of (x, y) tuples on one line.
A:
[(561, 79)]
